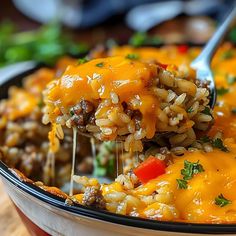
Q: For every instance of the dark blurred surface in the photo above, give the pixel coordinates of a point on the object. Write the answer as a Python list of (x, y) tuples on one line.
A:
[(188, 22), (113, 28)]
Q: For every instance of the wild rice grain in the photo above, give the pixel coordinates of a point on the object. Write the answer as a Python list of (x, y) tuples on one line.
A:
[(114, 98), (180, 99)]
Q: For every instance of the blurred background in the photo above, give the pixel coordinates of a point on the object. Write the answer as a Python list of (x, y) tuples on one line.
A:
[(43, 30)]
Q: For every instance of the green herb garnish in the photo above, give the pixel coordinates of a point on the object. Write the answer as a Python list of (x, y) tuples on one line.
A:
[(190, 110), (191, 168), (82, 60), (99, 171), (207, 111), (232, 35), (101, 64), (46, 44), (231, 79), (222, 91), (227, 55), (132, 56), (182, 184), (104, 163), (218, 143), (140, 39), (222, 201)]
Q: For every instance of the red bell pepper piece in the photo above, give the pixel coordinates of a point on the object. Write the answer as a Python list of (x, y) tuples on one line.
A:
[(164, 66), (182, 49), (150, 169)]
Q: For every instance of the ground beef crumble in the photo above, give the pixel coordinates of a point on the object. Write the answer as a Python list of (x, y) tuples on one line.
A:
[(93, 197)]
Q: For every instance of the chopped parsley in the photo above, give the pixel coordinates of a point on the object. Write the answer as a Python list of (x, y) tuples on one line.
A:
[(189, 170), (190, 110), (82, 60), (231, 79), (101, 64), (218, 143), (222, 91), (227, 55), (207, 111), (182, 184), (132, 56), (222, 201), (141, 38)]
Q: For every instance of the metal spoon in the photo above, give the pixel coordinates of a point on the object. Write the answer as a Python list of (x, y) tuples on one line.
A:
[(202, 63)]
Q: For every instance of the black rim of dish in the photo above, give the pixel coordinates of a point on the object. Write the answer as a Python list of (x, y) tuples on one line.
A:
[(98, 214)]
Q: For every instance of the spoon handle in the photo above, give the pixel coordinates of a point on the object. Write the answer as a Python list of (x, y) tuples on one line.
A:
[(210, 48)]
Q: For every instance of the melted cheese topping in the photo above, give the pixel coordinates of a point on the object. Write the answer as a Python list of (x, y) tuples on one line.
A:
[(197, 202), (166, 55), (20, 104), (37, 82), (92, 82)]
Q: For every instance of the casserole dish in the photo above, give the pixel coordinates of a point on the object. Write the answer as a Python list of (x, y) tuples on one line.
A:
[(47, 214)]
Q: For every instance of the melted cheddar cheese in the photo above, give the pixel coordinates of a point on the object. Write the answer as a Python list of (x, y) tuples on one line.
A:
[(20, 104), (197, 202), (92, 82)]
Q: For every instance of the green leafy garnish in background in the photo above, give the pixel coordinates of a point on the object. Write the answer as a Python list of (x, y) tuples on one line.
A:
[(232, 35), (140, 39), (104, 163), (45, 44), (82, 60)]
